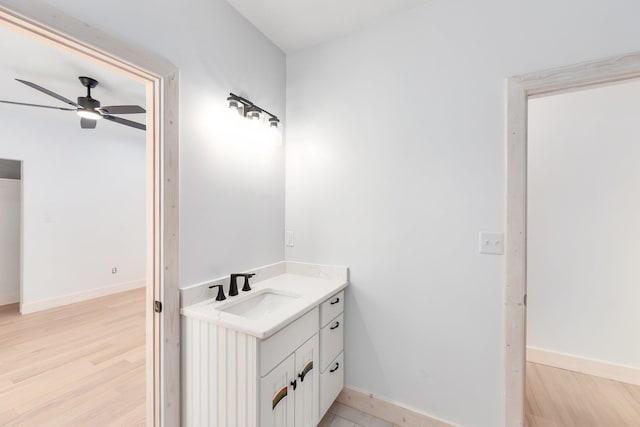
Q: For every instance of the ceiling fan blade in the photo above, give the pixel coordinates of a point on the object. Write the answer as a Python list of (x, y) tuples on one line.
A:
[(88, 123), (125, 122), (48, 92), (38, 105), (123, 109)]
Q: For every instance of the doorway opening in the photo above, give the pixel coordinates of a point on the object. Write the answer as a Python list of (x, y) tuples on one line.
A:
[(83, 228), (10, 232), (55, 28), (583, 358), (523, 185)]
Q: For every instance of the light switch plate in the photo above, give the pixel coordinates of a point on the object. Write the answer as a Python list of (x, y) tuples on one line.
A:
[(491, 243), (289, 238)]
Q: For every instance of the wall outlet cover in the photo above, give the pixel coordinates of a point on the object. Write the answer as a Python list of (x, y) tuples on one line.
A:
[(491, 243)]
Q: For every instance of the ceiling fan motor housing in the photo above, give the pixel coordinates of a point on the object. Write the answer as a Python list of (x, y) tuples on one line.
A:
[(88, 102)]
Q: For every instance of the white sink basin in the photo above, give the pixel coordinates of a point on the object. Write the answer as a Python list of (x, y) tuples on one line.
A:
[(262, 303)]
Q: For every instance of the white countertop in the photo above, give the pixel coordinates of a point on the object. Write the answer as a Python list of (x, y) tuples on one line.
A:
[(309, 292)]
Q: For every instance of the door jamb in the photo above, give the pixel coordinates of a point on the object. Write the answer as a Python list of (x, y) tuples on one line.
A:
[(518, 90), (43, 22)]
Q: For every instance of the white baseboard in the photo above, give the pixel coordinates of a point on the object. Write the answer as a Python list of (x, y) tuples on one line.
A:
[(32, 307), (598, 368), (9, 298), (394, 413)]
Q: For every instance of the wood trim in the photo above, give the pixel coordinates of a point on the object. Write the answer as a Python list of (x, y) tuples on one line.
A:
[(519, 89), (584, 365), (578, 76), (41, 21), (168, 225), (515, 251), (394, 413), (33, 307)]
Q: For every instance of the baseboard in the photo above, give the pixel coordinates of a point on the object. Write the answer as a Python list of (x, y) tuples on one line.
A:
[(394, 413), (9, 298), (598, 368), (32, 307)]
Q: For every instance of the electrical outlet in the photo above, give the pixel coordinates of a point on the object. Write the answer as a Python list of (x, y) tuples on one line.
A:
[(114, 270), (290, 238), (492, 243)]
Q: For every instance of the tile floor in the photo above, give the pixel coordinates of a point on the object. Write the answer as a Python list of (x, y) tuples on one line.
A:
[(343, 416)]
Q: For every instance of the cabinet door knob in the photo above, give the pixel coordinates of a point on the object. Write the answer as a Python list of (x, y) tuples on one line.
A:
[(334, 369), (294, 384), (337, 300), (335, 326)]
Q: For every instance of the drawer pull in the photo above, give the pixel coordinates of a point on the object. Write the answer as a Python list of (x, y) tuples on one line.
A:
[(336, 368), (337, 300), (335, 326)]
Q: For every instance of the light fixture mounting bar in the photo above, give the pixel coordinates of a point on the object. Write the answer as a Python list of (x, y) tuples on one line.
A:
[(251, 106)]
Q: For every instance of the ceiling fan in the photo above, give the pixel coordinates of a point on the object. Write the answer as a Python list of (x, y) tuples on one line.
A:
[(88, 108)]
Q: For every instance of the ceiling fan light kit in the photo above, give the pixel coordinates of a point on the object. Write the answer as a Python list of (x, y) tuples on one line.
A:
[(250, 110), (87, 107), (90, 115)]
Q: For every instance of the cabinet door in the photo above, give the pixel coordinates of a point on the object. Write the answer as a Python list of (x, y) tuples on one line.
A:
[(277, 396), (308, 384)]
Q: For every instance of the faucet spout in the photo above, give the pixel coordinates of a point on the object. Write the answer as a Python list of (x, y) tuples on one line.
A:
[(233, 285)]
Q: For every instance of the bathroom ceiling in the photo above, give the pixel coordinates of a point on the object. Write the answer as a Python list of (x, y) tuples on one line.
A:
[(28, 59), (296, 24)]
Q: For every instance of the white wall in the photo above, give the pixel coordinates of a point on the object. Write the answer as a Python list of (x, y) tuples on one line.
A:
[(583, 244), (231, 183), (84, 202), (9, 241), (395, 162)]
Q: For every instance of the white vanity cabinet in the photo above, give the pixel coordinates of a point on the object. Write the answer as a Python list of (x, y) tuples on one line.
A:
[(233, 379)]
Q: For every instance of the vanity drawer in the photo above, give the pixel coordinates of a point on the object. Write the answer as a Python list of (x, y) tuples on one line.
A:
[(277, 347), (331, 341), (331, 383), (331, 308)]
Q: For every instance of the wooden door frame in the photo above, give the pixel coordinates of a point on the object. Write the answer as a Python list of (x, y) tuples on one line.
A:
[(43, 22), (519, 89)]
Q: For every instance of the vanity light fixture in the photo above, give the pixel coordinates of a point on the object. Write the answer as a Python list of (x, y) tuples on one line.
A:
[(250, 110)]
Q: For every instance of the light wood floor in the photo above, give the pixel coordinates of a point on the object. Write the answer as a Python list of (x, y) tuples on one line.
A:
[(343, 416), (78, 365), (560, 398)]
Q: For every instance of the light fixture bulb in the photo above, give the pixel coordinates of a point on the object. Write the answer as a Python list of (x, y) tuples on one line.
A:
[(253, 115), (273, 123), (89, 114), (234, 104)]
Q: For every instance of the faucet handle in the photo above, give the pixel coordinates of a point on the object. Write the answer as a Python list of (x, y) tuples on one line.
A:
[(220, 296), (246, 287)]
